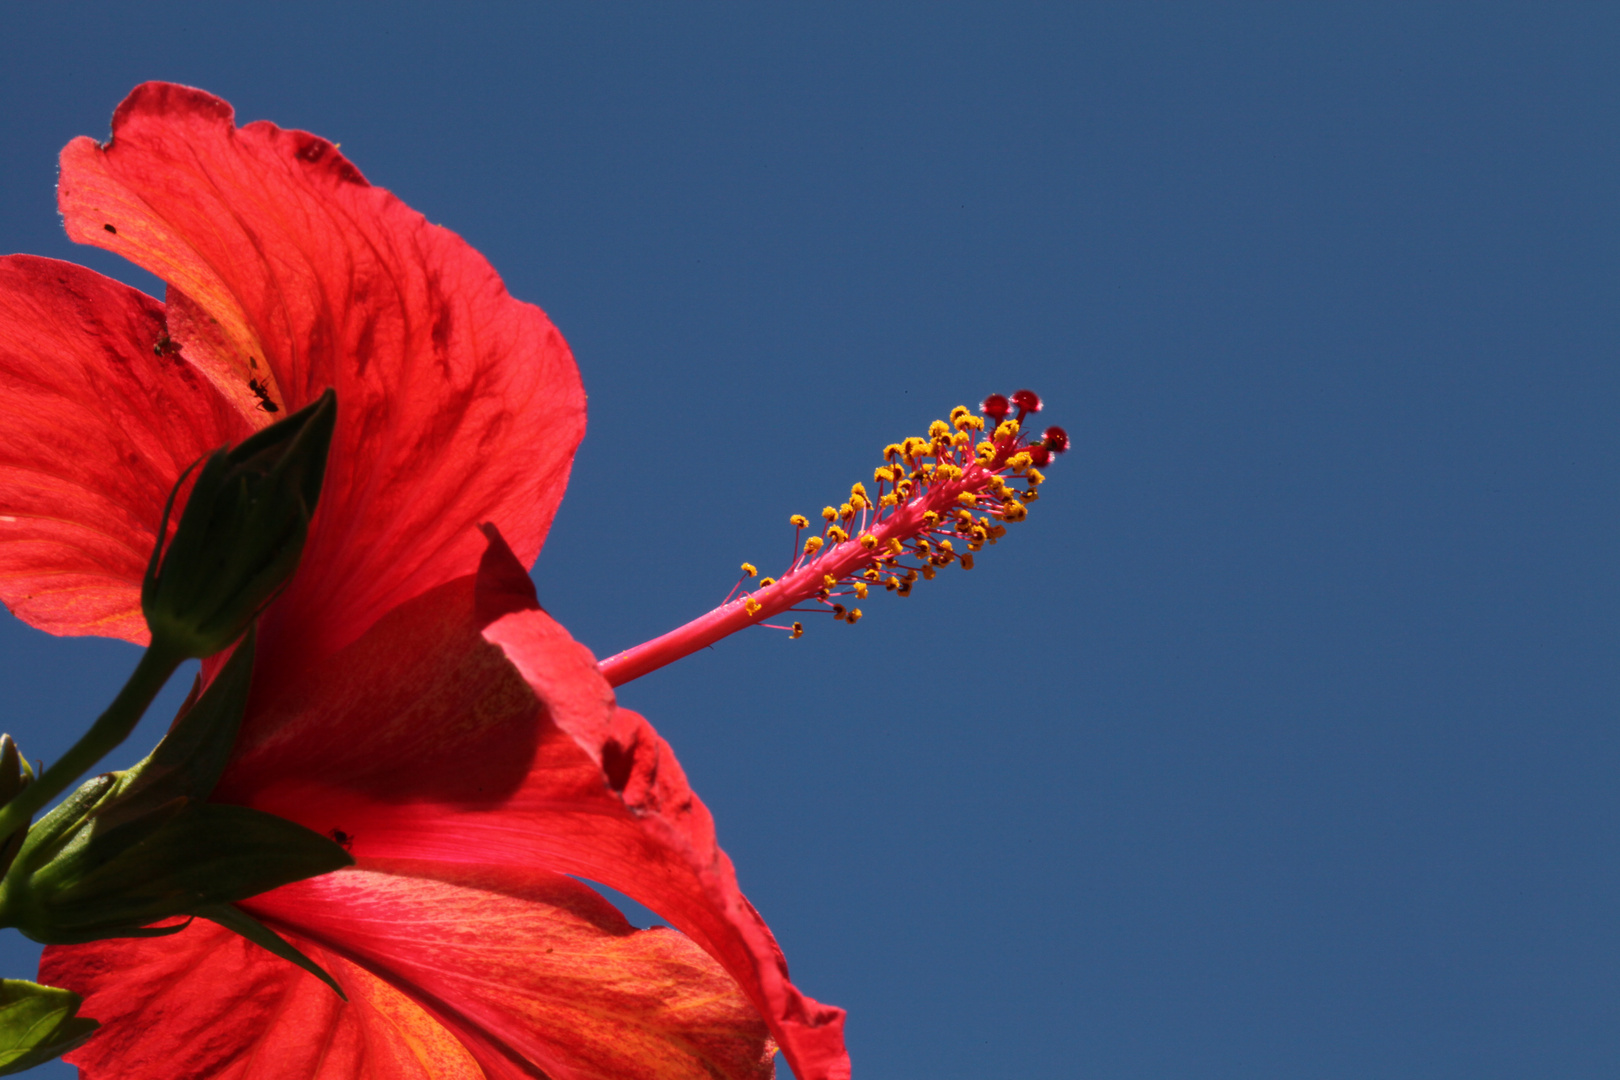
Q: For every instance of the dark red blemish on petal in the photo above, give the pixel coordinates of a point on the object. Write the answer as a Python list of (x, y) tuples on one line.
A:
[(618, 764), (314, 150), (166, 99), (440, 334), (110, 229)]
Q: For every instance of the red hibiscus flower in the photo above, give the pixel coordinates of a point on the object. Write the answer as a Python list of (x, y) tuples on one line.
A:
[(410, 699)]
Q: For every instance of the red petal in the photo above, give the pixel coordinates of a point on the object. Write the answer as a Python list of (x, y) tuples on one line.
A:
[(500, 971), (456, 403), (97, 421), (422, 742), (542, 965), (207, 1005)]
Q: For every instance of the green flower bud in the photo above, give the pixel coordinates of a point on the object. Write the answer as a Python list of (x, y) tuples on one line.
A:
[(241, 535), (38, 1023)]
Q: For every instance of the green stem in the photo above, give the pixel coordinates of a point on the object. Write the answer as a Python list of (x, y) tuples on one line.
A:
[(110, 729)]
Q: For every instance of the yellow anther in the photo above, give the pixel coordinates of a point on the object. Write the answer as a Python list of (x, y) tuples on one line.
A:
[(860, 589), (928, 573), (939, 429), (889, 500), (871, 573), (857, 489), (798, 630), (1014, 511), (766, 582), (799, 521), (896, 546), (828, 513), (749, 569), (985, 452), (829, 581), (967, 498), (959, 412), (1020, 461), (846, 511), (838, 611), (853, 617), (892, 451), (858, 502), (868, 541), (752, 606), (923, 545), (836, 535), (1035, 477), (962, 440), (945, 545), (967, 562), (903, 489), (965, 516), (812, 545), (1007, 429), (947, 472), (930, 518), (882, 474)]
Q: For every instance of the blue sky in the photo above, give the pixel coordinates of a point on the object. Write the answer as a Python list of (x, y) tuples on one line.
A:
[(1280, 741)]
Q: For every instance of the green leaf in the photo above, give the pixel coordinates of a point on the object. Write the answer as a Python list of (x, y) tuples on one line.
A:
[(38, 1023), (235, 919)]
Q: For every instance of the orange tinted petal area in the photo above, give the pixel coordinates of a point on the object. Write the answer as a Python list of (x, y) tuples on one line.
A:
[(542, 966), (432, 744), (99, 416), (495, 974), (208, 1005), (456, 403)]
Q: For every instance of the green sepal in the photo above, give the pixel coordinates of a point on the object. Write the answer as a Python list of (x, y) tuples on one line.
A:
[(38, 1023), (133, 848), (15, 776), (183, 856), (187, 763), (189, 760), (59, 828), (238, 921)]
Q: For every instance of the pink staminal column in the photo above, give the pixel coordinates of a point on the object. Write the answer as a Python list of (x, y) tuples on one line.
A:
[(938, 500)]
